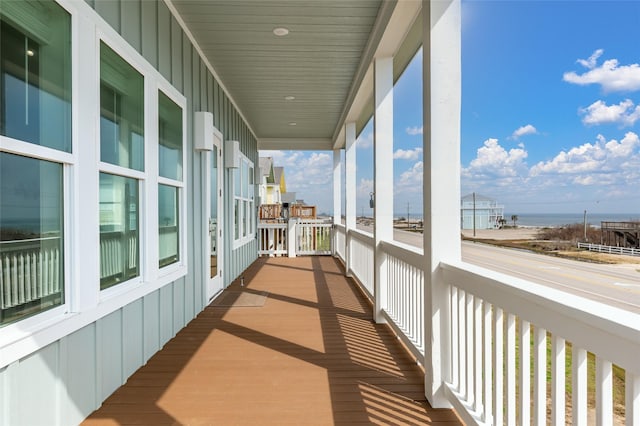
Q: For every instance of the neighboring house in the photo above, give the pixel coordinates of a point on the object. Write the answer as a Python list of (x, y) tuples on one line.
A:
[(270, 185), (488, 213)]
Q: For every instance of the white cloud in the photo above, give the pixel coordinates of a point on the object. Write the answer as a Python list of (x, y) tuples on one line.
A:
[(365, 187), (365, 141), (493, 160), (612, 76), (594, 163), (625, 113), (414, 130), (592, 61), (410, 181), (408, 154), (524, 130)]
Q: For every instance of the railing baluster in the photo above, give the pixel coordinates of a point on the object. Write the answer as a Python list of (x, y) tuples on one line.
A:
[(498, 366), (462, 343), (604, 392), (511, 369), (477, 354), (488, 371), (579, 386), (632, 399), (455, 332), (469, 349), (525, 372), (558, 381), (540, 378)]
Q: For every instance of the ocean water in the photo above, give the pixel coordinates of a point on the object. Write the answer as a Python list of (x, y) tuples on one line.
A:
[(553, 219), (559, 219)]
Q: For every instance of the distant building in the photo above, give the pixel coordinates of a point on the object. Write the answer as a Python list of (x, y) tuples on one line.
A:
[(488, 212)]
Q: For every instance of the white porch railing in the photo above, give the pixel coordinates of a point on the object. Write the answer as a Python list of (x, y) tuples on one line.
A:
[(360, 248), (313, 237), (610, 249), (499, 326), (29, 270), (272, 239), (340, 236)]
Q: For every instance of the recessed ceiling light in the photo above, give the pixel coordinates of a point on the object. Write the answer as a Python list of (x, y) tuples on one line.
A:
[(280, 31), (289, 98), (293, 123)]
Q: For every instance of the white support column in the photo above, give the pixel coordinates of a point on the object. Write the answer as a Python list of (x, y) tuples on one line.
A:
[(337, 186), (350, 191), (337, 202), (441, 148), (382, 176), (291, 237)]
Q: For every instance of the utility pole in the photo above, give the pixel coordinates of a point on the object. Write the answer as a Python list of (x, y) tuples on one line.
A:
[(408, 223), (474, 214), (585, 226)]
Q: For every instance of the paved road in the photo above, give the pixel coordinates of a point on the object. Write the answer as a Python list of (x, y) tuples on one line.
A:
[(616, 285)]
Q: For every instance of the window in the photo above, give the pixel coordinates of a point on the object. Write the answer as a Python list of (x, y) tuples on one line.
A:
[(35, 112), (35, 85), (121, 111), (119, 229), (243, 203), (121, 155), (170, 137)]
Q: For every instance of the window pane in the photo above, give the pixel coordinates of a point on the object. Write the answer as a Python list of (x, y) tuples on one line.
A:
[(121, 111), (237, 182), (119, 234), (168, 225), (236, 219), (170, 137), (35, 73), (245, 180), (245, 226), (31, 237)]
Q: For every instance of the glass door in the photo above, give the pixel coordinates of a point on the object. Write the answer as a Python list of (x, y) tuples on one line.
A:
[(214, 218)]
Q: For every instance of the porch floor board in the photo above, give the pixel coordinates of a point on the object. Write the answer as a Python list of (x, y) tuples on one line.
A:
[(310, 355)]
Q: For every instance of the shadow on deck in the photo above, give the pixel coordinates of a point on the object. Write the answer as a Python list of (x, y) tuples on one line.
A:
[(308, 353)]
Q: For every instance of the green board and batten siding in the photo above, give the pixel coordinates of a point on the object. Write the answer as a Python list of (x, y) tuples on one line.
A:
[(65, 381)]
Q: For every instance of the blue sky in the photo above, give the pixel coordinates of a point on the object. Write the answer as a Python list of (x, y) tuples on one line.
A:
[(550, 113)]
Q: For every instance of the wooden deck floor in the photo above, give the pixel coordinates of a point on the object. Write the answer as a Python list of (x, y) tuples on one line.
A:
[(309, 355)]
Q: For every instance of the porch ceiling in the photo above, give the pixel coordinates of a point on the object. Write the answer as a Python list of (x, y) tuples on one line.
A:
[(321, 62)]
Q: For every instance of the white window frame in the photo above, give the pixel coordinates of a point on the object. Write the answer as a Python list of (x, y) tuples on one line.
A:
[(120, 48), (68, 160), (180, 267), (249, 221)]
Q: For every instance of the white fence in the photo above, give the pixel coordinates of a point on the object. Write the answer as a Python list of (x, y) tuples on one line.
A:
[(313, 237), (610, 249), (29, 270), (272, 239), (500, 328)]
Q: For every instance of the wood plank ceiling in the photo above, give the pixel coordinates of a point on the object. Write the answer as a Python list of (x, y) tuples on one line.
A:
[(316, 63)]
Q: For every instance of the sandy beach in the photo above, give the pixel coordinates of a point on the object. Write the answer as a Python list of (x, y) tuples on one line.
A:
[(520, 233)]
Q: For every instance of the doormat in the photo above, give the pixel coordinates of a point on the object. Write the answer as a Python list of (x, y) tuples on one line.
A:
[(240, 299)]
